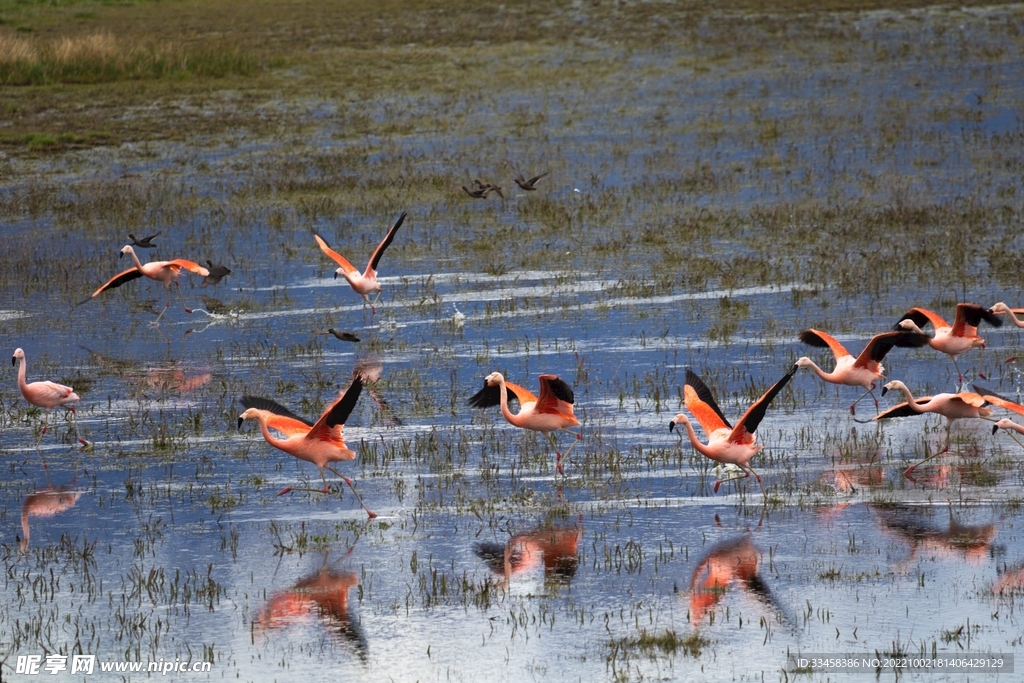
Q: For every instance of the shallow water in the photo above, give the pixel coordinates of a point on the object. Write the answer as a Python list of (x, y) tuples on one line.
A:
[(167, 539)]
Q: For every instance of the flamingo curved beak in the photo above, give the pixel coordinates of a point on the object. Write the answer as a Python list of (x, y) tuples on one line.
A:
[(671, 425), (14, 360), (884, 390), (240, 421), (335, 275), (995, 428)]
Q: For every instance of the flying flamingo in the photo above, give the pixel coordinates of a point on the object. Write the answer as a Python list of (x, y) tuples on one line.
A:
[(951, 406), (47, 395), (321, 443), (726, 444), (161, 271), (866, 368), (960, 337), (367, 282), (1001, 308), (552, 412)]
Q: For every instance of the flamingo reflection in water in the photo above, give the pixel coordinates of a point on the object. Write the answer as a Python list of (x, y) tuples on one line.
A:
[(554, 549), (970, 542), (321, 596), (734, 562), (46, 502)]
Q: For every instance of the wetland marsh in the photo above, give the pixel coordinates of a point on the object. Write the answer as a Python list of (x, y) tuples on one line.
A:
[(720, 180)]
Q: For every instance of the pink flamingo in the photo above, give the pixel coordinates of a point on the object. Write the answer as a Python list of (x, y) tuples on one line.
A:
[(47, 395), (866, 368), (952, 340), (551, 412), (965, 404), (321, 443), (366, 282), (161, 271), (726, 444)]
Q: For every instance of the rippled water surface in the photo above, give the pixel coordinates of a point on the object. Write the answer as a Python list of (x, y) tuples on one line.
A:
[(681, 227)]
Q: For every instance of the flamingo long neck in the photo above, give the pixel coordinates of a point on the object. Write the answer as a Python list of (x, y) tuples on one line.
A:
[(271, 439), (513, 419), (695, 442), (138, 263), (22, 384), (910, 399), (827, 376)]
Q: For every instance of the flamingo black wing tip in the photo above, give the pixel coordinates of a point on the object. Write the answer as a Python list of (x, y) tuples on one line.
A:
[(811, 338), (561, 390)]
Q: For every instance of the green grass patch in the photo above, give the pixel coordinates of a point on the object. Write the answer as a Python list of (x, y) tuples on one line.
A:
[(103, 57)]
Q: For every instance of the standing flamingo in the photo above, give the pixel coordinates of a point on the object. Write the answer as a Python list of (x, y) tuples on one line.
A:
[(161, 271), (47, 395), (551, 412), (1001, 308), (321, 443), (866, 368), (726, 444), (960, 337), (951, 406), (366, 282)]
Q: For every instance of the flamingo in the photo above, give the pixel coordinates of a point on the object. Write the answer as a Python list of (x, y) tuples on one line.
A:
[(552, 412), (1001, 308), (161, 271), (367, 282), (321, 443), (47, 395), (726, 444), (951, 406), (531, 184), (866, 368), (960, 337)]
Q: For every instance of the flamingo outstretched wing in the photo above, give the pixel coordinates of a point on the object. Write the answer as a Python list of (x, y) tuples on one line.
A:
[(747, 424), (821, 340), (337, 412), (922, 316), (997, 400), (490, 396), (190, 266), (555, 396), (338, 258), (969, 316), (124, 276), (881, 344), (698, 400), (282, 419), (385, 243)]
